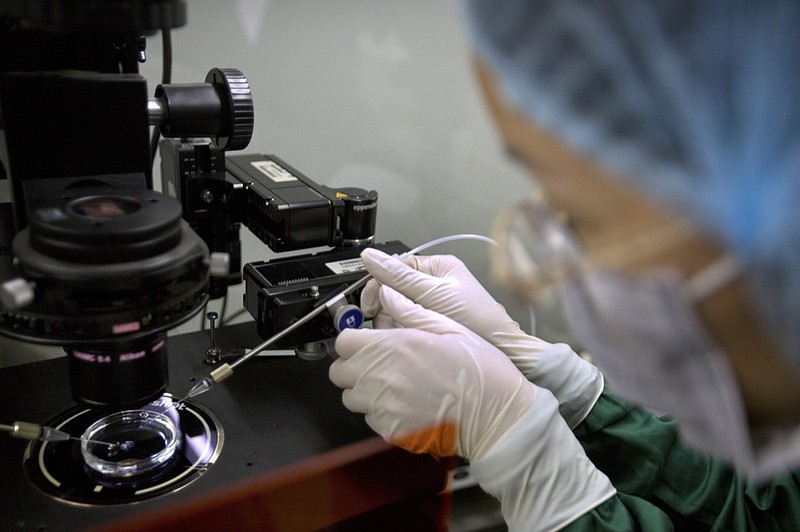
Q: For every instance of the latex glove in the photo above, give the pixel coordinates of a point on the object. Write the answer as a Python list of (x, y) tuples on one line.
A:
[(443, 283), (434, 386)]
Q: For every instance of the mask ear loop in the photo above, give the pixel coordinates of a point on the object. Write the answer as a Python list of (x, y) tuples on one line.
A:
[(713, 278)]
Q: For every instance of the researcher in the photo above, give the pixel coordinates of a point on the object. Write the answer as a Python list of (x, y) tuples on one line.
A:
[(664, 138)]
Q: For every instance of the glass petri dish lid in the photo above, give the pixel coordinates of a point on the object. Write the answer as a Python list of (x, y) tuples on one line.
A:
[(130, 443)]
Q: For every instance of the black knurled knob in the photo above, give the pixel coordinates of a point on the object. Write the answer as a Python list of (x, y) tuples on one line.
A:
[(238, 112)]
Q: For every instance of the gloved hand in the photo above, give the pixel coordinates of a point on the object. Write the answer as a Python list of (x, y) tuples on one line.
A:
[(443, 283), (431, 385)]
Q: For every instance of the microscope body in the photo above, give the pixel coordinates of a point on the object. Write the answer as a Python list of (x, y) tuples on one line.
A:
[(94, 259)]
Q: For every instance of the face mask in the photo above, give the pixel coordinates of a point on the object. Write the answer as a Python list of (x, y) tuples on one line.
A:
[(643, 332)]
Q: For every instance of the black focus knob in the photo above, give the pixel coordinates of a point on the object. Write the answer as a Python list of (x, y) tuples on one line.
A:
[(360, 215), (221, 108), (237, 103)]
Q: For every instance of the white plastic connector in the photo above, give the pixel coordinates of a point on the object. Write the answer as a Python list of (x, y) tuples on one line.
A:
[(219, 264), (16, 293), (222, 373)]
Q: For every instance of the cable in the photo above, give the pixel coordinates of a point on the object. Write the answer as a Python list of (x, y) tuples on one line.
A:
[(451, 238), (203, 317), (166, 77), (223, 308), (234, 315)]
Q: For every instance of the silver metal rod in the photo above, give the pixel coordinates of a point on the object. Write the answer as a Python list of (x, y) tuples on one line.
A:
[(156, 111), (302, 321)]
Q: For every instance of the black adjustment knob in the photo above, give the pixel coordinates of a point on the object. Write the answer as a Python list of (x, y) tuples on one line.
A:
[(221, 108), (238, 115)]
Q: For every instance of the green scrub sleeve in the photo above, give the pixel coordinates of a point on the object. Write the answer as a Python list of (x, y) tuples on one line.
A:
[(664, 485)]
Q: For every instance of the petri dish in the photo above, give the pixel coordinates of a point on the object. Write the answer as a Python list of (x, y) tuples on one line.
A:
[(130, 443)]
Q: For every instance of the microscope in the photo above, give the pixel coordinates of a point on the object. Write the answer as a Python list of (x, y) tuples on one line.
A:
[(94, 260), (98, 262)]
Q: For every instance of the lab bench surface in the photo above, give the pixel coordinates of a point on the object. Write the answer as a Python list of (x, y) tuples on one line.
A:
[(285, 428)]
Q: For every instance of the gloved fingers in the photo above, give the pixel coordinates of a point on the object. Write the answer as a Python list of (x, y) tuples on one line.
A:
[(391, 271), (342, 374), (354, 400), (435, 265), (405, 313), (370, 302), (347, 371), (441, 283), (384, 321), (351, 341)]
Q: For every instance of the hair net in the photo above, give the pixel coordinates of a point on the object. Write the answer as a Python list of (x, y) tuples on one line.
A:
[(696, 102)]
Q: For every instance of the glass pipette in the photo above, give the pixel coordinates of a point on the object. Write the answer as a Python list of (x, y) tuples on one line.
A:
[(226, 370), (34, 431)]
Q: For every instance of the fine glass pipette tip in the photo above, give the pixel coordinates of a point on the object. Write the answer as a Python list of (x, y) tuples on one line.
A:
[(201, 387)]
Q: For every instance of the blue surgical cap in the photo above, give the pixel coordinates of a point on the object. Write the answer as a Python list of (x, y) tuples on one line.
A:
[(697, 103)]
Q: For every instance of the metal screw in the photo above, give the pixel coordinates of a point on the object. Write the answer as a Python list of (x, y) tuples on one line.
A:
[(213, 354)]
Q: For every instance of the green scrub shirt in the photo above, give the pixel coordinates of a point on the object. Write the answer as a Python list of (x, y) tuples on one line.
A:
[(664, 485)]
